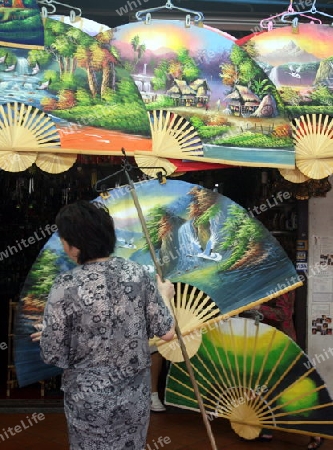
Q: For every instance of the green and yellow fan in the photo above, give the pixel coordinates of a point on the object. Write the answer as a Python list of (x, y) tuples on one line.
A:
[(256, 377)]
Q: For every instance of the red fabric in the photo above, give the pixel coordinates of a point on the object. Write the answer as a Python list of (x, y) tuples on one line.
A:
[(244, 39), (191, 166), (279, 313)]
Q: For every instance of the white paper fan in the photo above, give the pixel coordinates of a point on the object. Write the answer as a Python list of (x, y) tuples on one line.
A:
[(173, 136), (313, 137), (26, 127)]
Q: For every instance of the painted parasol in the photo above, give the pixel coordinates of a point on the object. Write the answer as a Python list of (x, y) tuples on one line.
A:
[(256, 377), (200, 238), (299, 63)]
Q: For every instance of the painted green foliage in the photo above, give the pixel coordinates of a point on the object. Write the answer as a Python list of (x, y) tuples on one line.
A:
[(42, 274), (183, 67), (241, 233), (84, 72)]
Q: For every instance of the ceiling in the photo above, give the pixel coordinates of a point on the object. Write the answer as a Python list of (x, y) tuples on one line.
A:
[(237, 17)]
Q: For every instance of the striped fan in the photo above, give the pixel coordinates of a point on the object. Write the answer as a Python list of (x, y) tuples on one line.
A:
[(26, 128), (312, 135), (256, 377), (192, 308), (16, 161)]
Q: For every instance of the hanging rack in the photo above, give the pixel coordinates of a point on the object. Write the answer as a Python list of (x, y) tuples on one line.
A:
[(49, 7), (269, 22), (126, 167), (198, 16), (312, 10)]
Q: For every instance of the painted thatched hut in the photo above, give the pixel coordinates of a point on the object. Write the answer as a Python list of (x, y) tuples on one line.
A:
[(267, 107), (200, 86), (242, 101), (182, 93)]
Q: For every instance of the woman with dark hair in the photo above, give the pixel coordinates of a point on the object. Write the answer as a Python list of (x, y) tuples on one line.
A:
[(97, 322)]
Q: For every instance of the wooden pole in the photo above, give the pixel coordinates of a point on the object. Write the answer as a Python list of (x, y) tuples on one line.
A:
[(177, 329)]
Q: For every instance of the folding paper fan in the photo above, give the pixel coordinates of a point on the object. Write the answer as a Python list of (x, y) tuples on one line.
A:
[(55, 163), (172, 137), (24, 127), (16, 161), (79, 84), (199, 237), (293, 175), (256, 377), (313, 137), (203, 76), (192, 308), (300, 66), (152, 165)]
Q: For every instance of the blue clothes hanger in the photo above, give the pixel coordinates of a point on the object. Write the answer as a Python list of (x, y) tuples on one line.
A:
[(145, 14)]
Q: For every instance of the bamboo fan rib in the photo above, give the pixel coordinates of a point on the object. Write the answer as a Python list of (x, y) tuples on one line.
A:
[(192, 308), (151, 165), (173, 136), (15, 161), (294, 175), (24, 126), (55, 163), (256, 377), (312, 135)]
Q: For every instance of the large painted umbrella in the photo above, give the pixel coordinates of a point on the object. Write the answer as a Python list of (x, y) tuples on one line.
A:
[(201, 239), (256, 377)]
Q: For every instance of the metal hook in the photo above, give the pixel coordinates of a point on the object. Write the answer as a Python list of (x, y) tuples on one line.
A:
[(127, 167), (52, 4)]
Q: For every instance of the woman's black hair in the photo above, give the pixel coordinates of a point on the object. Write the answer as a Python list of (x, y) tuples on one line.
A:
[(89, 227)]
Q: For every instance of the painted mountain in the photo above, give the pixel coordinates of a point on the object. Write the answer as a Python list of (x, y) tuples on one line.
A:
[(288, 53), (299, 64)]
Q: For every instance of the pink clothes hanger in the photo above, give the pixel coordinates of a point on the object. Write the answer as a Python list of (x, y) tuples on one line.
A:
[(312, 10), (269, 22)]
